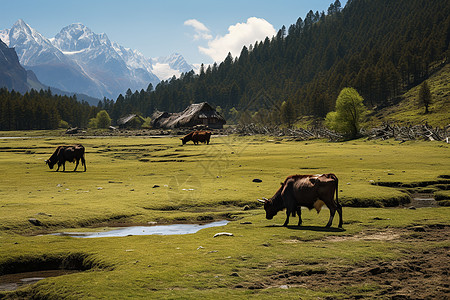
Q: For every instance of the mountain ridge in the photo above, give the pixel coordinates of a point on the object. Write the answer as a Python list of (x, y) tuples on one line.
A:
[(12, 74), (79, 60)]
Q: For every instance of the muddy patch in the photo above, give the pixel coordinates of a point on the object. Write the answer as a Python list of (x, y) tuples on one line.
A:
[(418, 274), (368, 235), (13, 282), (24, 271), (423, 200), (420, 194), (387, 235)]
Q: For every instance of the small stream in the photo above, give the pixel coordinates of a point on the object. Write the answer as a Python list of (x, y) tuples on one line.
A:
[(12, 282), (173, 229)]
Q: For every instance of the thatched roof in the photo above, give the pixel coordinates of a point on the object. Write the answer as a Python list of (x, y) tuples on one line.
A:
[(130, 121), (194, 114), (128, 118)]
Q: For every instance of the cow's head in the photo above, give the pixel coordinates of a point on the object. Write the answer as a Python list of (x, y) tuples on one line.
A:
[(186, 138), (273, 205), (49, 163), (269, 208)]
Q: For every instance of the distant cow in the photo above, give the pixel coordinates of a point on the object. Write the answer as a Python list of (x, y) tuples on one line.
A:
[(187, 137), (311, 191), (201, 136), (72, 153), (196, 137)]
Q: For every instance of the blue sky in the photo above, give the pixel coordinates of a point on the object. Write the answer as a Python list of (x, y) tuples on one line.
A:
[(198, 29)]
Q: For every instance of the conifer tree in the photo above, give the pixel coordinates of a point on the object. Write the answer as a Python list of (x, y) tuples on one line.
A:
[(287, 113), (425, 96)]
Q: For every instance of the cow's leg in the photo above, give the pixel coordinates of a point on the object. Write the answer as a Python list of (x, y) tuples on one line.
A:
[(76, 164), (288, 200), (288, 213), (83, 162), (339, 210), (59, 165), (299, 212), (332, 212)]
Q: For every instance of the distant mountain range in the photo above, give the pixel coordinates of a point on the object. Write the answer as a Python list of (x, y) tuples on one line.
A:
[(14, 77), (12, 74), (79, 60)]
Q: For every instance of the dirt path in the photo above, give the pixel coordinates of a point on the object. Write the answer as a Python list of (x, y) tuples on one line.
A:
[(419, 274)]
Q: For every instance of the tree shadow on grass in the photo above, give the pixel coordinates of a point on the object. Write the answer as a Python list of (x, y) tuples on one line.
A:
[(311, 228)]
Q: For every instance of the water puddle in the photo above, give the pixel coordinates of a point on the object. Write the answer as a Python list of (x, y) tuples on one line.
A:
[(11, 282), (145, 230), (423, 200)]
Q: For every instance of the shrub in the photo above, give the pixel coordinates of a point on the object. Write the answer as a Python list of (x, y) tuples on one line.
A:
[(63, 124), (349, 112), (102, 120)]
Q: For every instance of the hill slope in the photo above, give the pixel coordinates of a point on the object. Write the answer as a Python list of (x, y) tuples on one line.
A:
[(409, 111)]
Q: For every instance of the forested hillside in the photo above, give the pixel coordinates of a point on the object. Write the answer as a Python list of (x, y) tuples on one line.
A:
[(379, 47), (382, 48), (42, 110)]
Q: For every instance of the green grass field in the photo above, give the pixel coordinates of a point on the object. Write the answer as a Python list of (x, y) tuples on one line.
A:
[(137, 180)]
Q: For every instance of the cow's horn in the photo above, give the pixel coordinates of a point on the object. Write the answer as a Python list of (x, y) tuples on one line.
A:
[(262, 201), (264, 198)]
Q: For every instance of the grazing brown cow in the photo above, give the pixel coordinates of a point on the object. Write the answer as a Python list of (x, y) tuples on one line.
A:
[(196, 137), (201, 136), (187, 137), (72, 153), (311, 191)]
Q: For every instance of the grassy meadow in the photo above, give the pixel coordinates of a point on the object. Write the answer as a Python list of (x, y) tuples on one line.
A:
[(142, 180)]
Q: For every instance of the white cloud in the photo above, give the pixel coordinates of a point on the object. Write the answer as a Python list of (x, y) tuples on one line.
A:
[(201, 31), (164, 71), (238, 35), (196, 24)]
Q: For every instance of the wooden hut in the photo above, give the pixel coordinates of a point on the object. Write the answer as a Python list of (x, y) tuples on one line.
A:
[(195, 114), (131, 121)]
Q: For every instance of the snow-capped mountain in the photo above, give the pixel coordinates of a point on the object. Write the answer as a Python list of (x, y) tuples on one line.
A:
[(77, 37), (79, 60), (98, 58), (51, 66), (30, 44), (167, 67)]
